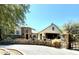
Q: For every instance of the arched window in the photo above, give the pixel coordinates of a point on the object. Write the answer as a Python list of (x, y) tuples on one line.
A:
[(34, 36), (53, 28)]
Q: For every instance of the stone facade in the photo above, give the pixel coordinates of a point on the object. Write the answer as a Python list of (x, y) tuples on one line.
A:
[(26, 32)]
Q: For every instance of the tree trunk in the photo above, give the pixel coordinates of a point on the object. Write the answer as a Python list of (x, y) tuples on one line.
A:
[(0, 34), (69, 42)]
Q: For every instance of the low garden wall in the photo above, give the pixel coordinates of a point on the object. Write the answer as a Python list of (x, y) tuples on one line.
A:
[(52, 43)]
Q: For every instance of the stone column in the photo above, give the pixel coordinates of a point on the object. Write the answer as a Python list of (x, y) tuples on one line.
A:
[(66, 40)]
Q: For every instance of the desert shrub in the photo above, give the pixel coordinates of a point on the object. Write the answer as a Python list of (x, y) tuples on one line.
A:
[(56, 43)]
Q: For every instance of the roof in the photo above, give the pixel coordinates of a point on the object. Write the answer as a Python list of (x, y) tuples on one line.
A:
[(50, 25), (25, 26), (28, 27)]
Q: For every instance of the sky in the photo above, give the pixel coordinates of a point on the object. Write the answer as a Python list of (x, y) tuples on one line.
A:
[(42, 15)]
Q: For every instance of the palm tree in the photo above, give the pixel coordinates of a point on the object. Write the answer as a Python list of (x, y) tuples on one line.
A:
[(11, 15)]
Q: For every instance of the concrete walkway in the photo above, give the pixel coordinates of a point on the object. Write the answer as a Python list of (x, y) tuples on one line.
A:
[(40, 50)]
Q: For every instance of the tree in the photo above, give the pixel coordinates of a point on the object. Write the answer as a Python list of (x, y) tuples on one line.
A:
[(73, 30), (11, 16)]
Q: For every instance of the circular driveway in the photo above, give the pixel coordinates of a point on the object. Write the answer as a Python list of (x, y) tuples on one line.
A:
[(39, 50)]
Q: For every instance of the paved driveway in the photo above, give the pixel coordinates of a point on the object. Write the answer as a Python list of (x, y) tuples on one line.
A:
[(40, 50)]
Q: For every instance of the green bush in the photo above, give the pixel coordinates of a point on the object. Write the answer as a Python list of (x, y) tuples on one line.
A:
[(8, 40)]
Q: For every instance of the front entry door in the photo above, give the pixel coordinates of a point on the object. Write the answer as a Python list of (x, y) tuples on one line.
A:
[(26, 36)]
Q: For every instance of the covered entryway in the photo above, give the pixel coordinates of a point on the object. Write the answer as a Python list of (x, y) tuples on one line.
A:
[(52, 35)]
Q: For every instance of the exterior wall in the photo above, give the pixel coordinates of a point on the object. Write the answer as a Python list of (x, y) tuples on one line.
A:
[(26, 31)]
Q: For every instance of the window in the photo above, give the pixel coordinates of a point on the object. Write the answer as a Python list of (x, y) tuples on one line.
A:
[(34, 37), (17, 32), (53, 28)]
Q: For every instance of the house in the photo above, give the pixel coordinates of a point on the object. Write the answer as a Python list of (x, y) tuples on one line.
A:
[(50, 32)]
